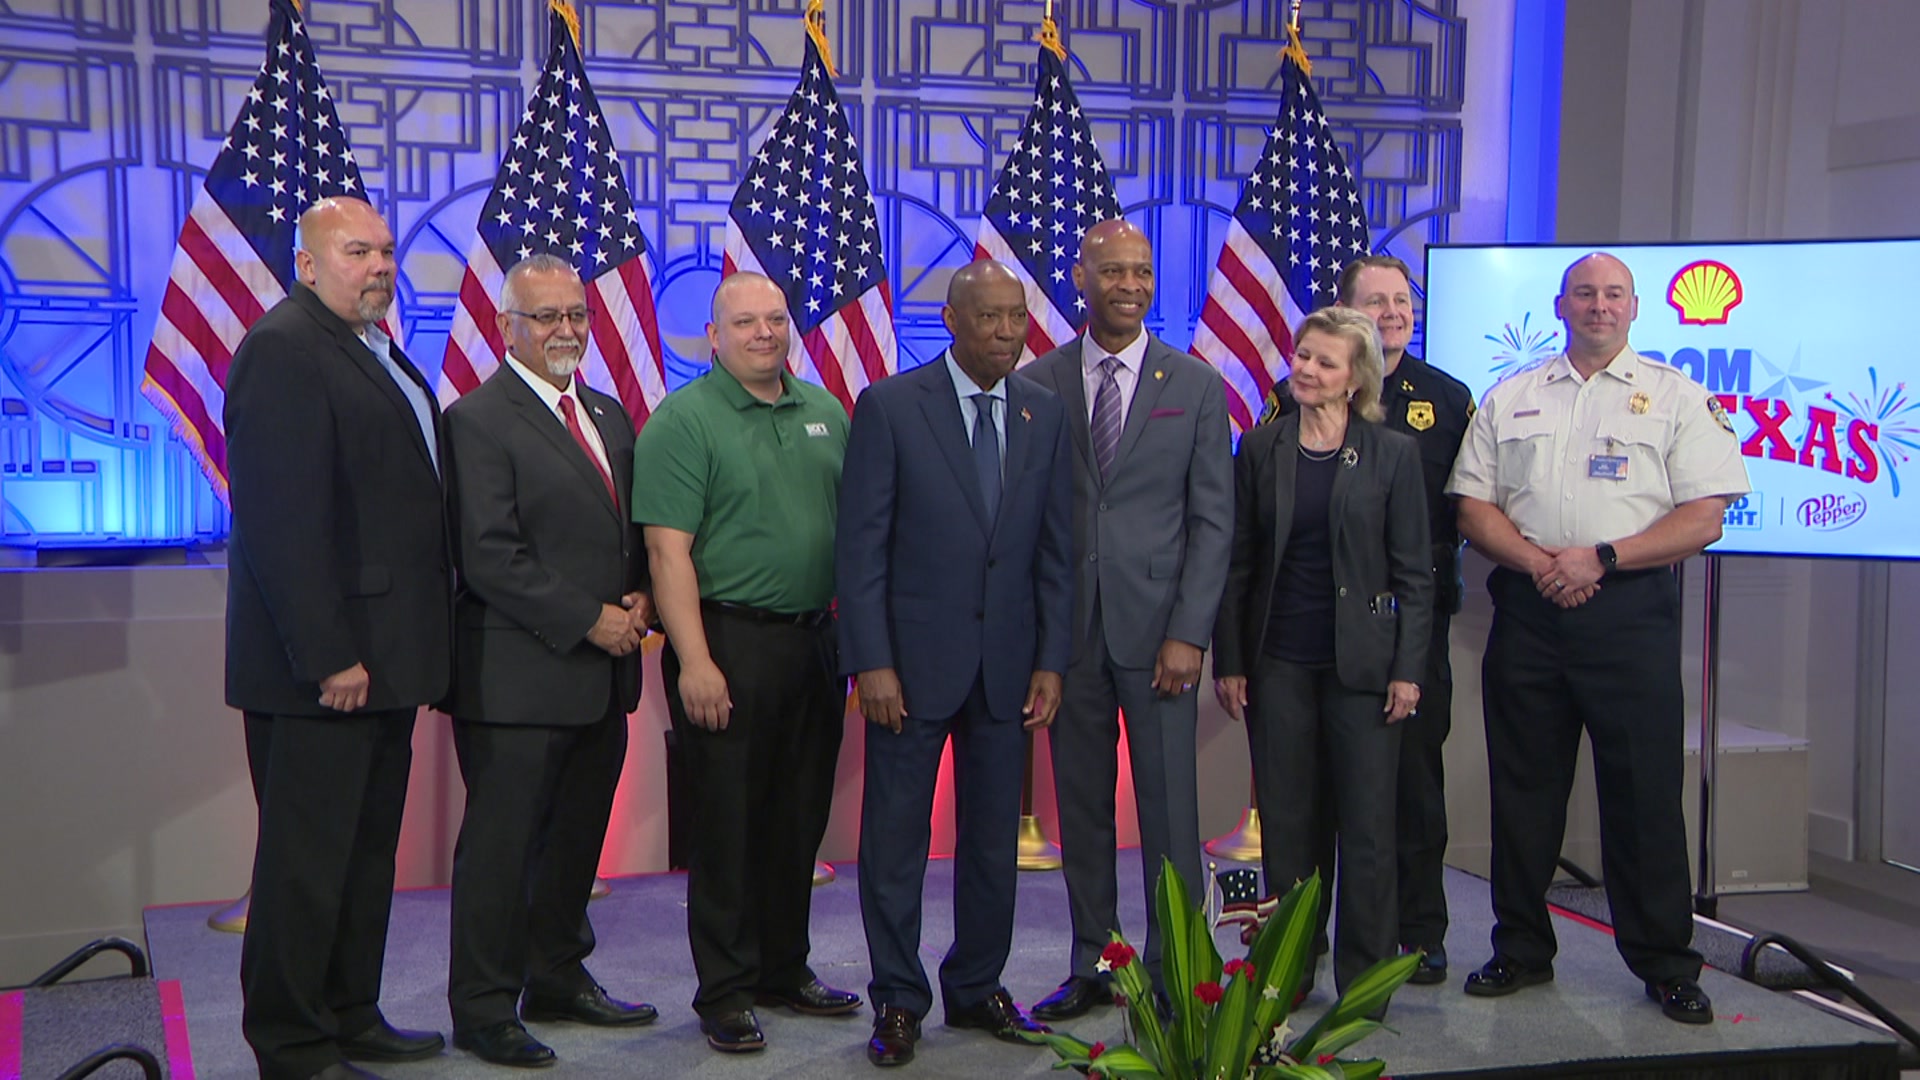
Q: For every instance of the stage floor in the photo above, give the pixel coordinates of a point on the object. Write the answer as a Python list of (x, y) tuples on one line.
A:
[(1593, 1020)]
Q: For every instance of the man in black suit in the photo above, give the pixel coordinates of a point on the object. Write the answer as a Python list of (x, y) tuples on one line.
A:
[(338, 630), (547, 628)]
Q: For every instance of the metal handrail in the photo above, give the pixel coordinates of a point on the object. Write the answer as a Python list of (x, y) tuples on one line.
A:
[(1826, 972), (88, 1065), (133, 953)]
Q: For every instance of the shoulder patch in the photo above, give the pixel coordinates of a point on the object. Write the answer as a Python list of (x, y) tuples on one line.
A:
[(1719, 412)]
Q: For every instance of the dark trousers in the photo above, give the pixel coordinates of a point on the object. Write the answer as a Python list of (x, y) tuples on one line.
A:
[(330, 792), (1161, 742), (760, 791), (1315, 741), (1612, 667), (538, 800), (1421, 803), (989, 764)]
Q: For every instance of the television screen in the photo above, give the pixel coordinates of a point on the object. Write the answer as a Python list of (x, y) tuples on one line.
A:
[(1815, 378)]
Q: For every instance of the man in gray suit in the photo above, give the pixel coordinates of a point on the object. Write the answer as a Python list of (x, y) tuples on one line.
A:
[(1152, 524)]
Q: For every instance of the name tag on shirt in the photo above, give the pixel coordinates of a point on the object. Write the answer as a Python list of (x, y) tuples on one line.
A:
[(816, 431), (1607, 467)]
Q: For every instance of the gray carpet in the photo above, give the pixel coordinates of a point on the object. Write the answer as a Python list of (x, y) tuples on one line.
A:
[(1594, 1012), (61, 1024)]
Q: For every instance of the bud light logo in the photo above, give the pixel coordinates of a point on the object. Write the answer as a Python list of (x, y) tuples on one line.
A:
[(1827, 513), (1745, 512)]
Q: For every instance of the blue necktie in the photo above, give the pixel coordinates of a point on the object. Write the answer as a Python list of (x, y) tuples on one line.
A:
[(986, 453)]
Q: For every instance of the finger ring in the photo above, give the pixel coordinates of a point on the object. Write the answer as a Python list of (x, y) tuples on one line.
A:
[(1558, 584), (1186, 686)]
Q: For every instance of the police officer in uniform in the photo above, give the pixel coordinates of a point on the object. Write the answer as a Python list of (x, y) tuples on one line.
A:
[(1585, 479), (1433, 407)]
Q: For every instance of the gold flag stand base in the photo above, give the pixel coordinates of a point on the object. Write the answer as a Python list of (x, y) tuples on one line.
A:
[(231, 919), (602, 888), (822, 874), (1036, 851), (1243, 843)]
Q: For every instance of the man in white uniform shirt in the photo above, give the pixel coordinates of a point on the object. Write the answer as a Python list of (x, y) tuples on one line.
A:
[(1586, 479)]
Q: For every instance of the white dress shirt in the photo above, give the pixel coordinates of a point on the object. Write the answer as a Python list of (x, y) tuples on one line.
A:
[(1127, 375), (552, 394)]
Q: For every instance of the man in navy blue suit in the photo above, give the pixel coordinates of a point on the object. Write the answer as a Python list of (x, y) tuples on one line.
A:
[(956, 607)]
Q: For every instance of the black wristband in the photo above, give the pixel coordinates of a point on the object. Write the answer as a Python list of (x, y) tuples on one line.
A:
[(1609, 559)]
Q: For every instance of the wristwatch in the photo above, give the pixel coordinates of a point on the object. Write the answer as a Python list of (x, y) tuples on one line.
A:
[(1609, 559)]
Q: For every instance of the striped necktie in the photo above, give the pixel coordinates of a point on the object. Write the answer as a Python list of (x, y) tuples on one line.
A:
[(1106, 417)]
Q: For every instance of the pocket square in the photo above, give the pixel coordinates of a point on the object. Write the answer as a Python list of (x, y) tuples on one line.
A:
[(1158, 413)]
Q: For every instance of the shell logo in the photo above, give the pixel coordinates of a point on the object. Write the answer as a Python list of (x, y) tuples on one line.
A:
[(1703, 293)]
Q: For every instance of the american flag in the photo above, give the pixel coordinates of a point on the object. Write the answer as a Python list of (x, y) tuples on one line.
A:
[(1053, 188), (1241, 904), (560, 191), (804, 217), (234, 259), (1298, 222)]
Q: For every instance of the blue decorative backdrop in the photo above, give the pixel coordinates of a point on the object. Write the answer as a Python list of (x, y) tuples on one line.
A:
[(110, 110)]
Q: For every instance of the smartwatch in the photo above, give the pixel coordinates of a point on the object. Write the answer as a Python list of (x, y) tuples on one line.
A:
[(1609, 559)]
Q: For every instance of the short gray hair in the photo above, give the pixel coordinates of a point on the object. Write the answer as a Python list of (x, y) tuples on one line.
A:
[(543, 263), (1368, 363)]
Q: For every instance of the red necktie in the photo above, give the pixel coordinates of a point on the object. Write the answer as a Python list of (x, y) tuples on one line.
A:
[(580, 436)]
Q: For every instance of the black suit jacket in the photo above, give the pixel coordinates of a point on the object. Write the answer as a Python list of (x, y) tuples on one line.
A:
[(1379, 522), (340, 551), (542, 547)]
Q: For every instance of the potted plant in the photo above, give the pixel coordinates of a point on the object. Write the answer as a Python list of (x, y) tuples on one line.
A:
[(1229, 1020)]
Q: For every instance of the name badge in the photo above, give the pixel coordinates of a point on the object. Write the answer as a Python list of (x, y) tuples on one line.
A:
[(1607, 467), (816, 431)]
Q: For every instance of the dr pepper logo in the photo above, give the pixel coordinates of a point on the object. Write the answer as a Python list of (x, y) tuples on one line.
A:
[(1828, 513), (1703, 293)]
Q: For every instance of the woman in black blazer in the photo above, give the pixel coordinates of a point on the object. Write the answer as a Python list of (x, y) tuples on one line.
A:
[(1322, 631)]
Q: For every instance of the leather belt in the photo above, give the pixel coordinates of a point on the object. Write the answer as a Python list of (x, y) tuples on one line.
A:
[(811, 620)]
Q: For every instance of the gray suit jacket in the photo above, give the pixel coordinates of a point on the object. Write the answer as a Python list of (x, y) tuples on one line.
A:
[(1379, 520), (1152, 540)]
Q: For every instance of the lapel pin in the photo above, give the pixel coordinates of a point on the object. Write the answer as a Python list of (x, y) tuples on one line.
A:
[(1159, 373), (1640, 403), (597, 412), (1349, 457), (1025, 415)]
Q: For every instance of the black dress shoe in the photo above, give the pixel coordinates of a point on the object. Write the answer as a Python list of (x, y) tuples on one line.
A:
[(505, 1043), (734, 1032), (814, 999), (1500, 977), (998, 1016), (1075, 997), (1682, 1000), (384, 1042), (344, 1071), (590, 1006), (1433, 965), (895, 1030)]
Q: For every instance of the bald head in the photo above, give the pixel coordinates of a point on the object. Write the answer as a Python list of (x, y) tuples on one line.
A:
[(344, 253), (751, 331), (986, 313), (1115, 275), (1598, 306)]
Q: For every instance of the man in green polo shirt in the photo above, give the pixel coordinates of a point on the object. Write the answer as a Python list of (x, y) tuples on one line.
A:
[(737, 481)]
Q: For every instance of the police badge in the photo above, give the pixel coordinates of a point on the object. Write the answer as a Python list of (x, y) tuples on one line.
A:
[(1419, 415), (1719, 412)]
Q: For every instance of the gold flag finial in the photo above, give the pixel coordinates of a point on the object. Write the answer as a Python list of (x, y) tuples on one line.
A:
[(297, 5), (565, 9), (1295, 50), (816, 20), (1049, 38)]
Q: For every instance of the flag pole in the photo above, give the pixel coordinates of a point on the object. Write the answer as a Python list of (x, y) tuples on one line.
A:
[(1036, 852), (815, 19)]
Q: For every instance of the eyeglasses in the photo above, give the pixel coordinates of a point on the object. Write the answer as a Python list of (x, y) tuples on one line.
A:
[(581, 318)]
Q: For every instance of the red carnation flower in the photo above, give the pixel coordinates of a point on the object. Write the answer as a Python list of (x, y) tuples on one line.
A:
[(1118, 954), (1242, 968), (1208, 992), (1094, 1051)]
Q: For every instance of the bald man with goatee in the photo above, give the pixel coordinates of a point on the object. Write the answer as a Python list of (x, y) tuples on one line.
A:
[(338, 629)]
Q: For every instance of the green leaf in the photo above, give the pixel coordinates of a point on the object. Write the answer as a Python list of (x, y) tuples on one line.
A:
[(1334, 1040), (1126, 1062), (1188, 959), (1296, 1072), (1283, 952), (1232, 1037), (1363, 1070), (1065, 1045), (1366, 994)]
